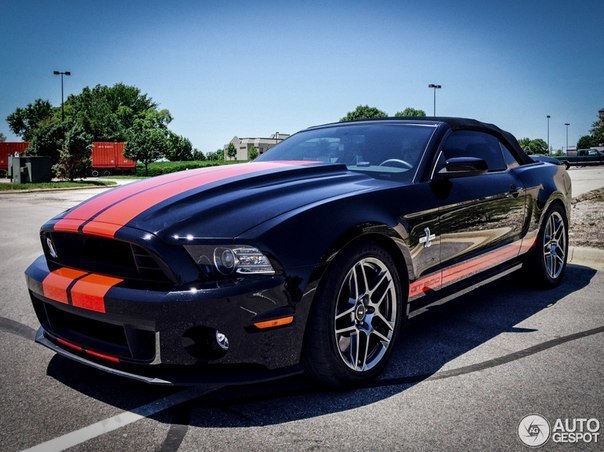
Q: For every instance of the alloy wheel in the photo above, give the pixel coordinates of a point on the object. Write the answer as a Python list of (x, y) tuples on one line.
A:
[(554, 245), (365, 317)]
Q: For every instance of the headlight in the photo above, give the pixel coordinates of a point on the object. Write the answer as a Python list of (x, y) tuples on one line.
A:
[(228, 260)]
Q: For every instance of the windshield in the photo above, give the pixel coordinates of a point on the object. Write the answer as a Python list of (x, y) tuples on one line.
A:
[(390, 151)]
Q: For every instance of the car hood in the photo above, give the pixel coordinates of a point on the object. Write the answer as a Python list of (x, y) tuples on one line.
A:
[(212, 203)]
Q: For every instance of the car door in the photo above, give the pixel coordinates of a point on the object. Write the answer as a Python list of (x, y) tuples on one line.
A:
[(481, 217)]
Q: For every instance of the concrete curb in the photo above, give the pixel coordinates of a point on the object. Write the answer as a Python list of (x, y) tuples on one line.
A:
[(37, 190), (590, 257)]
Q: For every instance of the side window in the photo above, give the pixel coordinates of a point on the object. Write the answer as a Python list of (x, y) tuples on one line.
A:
[(476, 144)]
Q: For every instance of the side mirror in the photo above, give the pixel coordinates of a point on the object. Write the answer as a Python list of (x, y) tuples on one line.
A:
[(463, 167)]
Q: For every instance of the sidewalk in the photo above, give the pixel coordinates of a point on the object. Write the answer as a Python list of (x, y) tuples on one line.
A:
[(117, 183), (590, 257)]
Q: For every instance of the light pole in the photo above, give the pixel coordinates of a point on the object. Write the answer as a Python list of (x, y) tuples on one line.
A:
[(567, 124), (62, 74), (435, 87), (549, 149), (276, 137)]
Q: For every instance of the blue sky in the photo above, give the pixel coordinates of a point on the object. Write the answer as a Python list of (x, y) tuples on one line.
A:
[(253, 68)]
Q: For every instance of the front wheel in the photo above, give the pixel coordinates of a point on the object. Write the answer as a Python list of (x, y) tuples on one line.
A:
[(355, 319), (546, 264)]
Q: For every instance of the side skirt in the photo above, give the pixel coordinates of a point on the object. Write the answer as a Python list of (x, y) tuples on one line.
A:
[(464, 290)]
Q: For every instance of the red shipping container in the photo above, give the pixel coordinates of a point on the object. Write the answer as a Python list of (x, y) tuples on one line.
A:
[(10, 148), (109, 155)]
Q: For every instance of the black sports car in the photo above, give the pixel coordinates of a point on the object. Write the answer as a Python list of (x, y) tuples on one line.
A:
[(310, 258)]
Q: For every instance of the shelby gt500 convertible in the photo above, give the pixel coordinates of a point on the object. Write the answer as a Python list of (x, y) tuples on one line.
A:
[(309, 259)]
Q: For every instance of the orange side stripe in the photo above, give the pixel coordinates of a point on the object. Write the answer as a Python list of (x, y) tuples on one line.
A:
[(479, 263), (89, 292), (275, 322), (425, 284), (55, 285), (464, 269)]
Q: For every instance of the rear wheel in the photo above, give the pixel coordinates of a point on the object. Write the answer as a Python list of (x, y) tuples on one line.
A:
[(547, 263), (94, 173), (356, 317)]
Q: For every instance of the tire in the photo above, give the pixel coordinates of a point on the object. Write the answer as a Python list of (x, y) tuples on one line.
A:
[(566, 164), (94, 173), (346, 342), (106, 173), (546, 265)]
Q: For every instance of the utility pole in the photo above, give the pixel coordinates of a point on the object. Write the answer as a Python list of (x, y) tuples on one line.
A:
[(62, 97), (549, 149), (435, 87)]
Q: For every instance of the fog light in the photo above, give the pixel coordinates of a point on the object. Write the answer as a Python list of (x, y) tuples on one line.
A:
[(222, 341), (205, 343)]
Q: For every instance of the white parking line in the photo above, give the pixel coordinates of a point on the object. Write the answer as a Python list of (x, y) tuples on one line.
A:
[(121, 420)]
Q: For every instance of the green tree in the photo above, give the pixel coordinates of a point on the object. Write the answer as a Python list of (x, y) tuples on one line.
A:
[(586, 141), (410, 111), (149, 137), (253, 154), (108, 113), (179, 148), (231, 151), (24, 122), (146, 146), (216, 155), (197, 155), (2, 137), (74, 156), (597, 133), (363, 112), (48, 141), (533, 146)]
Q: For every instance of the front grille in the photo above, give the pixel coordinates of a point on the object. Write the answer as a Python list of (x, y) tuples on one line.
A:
[(107, 256), (118, 340)]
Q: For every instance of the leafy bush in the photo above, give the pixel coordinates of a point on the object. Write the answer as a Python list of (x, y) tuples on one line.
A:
[(74, 156), (159, 168)]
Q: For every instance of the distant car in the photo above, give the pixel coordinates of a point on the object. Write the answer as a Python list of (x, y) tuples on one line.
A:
[(310, 258), (584, 157)]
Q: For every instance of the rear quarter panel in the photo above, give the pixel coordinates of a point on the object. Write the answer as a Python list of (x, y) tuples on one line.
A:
[(545, 183)]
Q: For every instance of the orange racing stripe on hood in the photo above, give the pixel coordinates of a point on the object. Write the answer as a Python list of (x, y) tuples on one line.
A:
[(109, 221), (77, 216)]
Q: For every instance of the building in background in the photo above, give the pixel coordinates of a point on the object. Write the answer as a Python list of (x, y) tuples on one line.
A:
[(245, 145)]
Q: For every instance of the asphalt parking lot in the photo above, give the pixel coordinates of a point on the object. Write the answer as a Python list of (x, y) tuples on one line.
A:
[(462, 376)]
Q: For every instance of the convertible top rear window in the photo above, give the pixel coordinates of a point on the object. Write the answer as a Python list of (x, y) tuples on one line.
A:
[(380, 150)]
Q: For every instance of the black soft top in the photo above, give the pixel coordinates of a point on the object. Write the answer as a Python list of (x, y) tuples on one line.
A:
[(454, 124)]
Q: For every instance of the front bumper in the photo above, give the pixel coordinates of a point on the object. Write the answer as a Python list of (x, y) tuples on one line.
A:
[(164, 337), (158, 375)]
